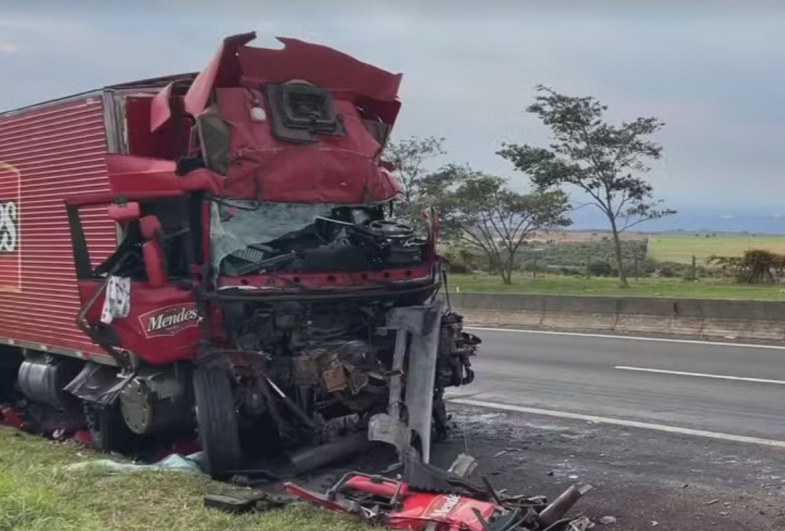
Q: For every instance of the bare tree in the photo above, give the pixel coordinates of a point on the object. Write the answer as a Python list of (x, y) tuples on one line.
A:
[(603, 160)]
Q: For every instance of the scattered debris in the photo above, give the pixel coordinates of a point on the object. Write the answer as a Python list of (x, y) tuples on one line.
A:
[(608, 520), (463, 466), (580, 524), (229, 504), (428, 497), (261, 501), (499, 454), (712, 502), (174, 462)]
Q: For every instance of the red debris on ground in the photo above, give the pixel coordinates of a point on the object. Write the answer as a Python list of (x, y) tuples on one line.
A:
[(10, 417), (397, 505)]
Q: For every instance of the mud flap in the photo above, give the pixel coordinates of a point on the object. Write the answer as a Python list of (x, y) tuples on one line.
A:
[(98, 384), (416, 349)]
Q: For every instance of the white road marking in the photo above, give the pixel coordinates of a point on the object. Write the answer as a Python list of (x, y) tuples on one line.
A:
[(628, 338), (619, 422), (701, 375)]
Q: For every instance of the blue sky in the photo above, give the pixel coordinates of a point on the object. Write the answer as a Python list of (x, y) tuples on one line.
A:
[(715, 75)]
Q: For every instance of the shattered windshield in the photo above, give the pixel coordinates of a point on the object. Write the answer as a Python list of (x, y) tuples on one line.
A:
[(248, 236)]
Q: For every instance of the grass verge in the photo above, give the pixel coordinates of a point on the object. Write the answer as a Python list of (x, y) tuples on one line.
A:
[(38, 494), (609, 287)]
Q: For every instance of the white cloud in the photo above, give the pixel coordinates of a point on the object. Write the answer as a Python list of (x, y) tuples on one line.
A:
[(8, 47)]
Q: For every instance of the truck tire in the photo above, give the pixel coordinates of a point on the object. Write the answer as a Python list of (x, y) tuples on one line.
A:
[(216, 415), (107, 429)]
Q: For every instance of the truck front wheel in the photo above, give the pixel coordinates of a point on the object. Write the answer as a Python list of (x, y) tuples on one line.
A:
[(216, 415)]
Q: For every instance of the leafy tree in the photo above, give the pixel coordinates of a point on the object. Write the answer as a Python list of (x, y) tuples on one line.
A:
[(601, 159), (484, 213), (409, 158)]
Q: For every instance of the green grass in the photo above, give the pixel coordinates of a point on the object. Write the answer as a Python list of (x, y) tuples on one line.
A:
[(680, 248), (564, 285), (38, 494)]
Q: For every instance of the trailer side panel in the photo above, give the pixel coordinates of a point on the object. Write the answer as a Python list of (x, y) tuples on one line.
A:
[(48, 153)]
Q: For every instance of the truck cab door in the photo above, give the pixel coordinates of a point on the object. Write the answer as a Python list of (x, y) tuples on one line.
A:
[(141, 298)]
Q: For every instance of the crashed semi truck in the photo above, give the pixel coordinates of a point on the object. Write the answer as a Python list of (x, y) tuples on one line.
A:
[(218, 253)]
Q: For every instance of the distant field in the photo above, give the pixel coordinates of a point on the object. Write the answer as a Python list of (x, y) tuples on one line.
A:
[(584, 237), (681, 247)]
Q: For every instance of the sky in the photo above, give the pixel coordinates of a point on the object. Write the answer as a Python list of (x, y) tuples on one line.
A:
[(714, 72)]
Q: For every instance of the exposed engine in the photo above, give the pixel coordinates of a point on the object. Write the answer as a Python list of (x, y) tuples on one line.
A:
[(326, 361)]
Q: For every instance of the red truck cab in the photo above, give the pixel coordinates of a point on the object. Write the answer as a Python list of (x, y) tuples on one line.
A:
[(259, 261)]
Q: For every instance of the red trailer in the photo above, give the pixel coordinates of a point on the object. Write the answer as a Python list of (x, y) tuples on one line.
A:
[(218, 252), (49, 153)]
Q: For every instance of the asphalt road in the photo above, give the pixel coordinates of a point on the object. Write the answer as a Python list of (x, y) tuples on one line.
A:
[(667, 450), (729, 389)]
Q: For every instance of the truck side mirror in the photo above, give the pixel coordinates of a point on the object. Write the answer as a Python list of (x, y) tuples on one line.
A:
[(123, 213)]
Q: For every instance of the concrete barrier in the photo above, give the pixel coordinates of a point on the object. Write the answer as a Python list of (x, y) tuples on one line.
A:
[(751, 320)]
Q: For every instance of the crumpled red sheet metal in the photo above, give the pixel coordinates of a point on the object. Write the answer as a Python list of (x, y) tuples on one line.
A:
[(235, 64), (395, 504), (408, 510), (340, 170)]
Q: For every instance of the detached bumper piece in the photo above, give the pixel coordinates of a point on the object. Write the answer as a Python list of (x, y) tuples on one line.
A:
[(453, 504)]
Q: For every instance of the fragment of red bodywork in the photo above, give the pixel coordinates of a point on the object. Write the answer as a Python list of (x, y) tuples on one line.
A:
[(397, 505), (394, 505), (11, 417), (83, 437)]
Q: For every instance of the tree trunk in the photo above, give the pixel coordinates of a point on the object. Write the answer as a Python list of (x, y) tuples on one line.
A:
[(506, 271), (619, 258)]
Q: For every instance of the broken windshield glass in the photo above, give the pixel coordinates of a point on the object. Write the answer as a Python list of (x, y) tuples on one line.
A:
[(249, 237)]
